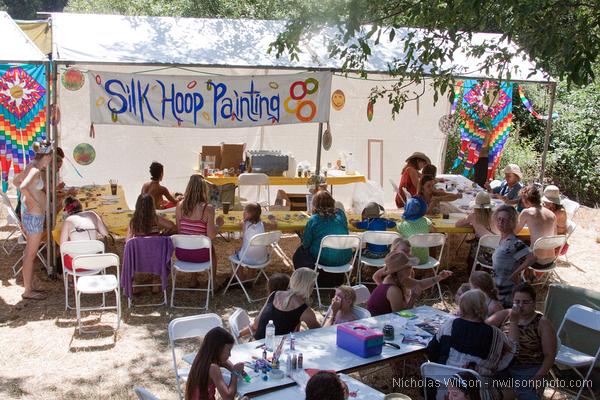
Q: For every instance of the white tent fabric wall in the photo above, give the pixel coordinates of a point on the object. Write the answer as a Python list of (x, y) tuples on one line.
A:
[(125, 152)]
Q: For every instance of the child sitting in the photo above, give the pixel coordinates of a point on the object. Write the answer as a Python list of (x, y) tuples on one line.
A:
[(341, 307), (414, 223), (205, 377), (252, 226), (278, 282), (372, 220), (483, 281), (157, 191)]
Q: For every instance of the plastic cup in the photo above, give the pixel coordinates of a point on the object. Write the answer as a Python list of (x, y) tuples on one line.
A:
[(113, 186), (226, 206)]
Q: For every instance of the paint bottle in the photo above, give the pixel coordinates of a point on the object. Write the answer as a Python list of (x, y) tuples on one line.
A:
[(264, 355), (300, 361), (292, 342), (294, 361)]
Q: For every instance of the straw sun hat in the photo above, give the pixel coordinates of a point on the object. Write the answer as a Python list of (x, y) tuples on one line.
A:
[(551, 195), (513, 169), (418, 154), (482, 200)]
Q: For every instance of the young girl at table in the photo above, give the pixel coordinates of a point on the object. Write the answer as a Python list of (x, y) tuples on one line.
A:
[(341, 307), (372, 220), (480, 219), (205, 378), (251, 225), (432, 196)]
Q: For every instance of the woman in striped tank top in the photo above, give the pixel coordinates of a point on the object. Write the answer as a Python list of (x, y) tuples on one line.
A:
[(195, 216)]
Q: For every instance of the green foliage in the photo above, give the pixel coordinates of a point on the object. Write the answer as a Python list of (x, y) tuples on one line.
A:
[(28, 9)]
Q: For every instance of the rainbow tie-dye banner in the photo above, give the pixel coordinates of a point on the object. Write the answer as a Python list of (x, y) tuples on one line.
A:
[(22, 115), (481, 123)]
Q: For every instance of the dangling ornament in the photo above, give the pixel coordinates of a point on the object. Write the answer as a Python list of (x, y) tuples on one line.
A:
[(327, 138)]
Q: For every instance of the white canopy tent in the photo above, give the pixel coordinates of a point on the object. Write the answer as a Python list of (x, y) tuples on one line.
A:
[(16, 46)]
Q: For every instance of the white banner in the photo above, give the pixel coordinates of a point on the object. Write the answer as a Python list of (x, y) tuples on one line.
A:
[(208, 101)]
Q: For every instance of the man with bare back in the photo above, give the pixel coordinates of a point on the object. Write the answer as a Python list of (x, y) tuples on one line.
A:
[(157, 191)]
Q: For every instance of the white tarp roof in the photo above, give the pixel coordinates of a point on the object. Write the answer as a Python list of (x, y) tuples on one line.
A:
[(16, 46), (116, 39)]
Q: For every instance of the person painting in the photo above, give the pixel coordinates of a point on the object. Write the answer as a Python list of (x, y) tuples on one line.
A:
[(508, 191), (157, 191), (341, 307), (373, 220), (553, 202), (480, 219), (409, 180), (432, 196), (33, 215)]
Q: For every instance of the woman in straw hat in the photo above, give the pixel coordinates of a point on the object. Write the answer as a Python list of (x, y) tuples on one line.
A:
[(508, 191), (480, 219), (553, 202), (411, 176)]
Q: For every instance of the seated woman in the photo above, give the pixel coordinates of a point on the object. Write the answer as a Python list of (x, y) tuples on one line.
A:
[(81, 225), (553, 202), (411, 176), (414, 222), (480, 219), (536, 339), (509, 189), (288, 308), (157, 191), (396, 289), (341, 307), (512, 255), (483, 281), (468, 342), (325, 220), (432, 196)]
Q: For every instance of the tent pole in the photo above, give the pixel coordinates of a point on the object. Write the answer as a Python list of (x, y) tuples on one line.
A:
[(51, 129), (319, 145), (548, 130)]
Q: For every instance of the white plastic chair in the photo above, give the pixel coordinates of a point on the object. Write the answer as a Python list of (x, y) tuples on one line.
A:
[(239, 320), (571, 226), (549, 243), (337, 242), (77, 248), (362, 294), (143, 394), (589, 318), (96, 284), (570, 206), (12, 221), (23, 240), (382, 238), (406, 194), (429, 240), (255, 179), (268, 240), (189, 327), (443, 373), (490, 241), (192, 242), (394, 186), (361, 313)]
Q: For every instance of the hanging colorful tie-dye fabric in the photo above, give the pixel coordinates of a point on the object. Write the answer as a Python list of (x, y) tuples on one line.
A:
[(22, 115), (481, 122)]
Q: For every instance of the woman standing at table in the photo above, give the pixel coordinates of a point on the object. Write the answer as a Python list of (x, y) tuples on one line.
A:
[(411, 176), (33, 215), (325, 220)]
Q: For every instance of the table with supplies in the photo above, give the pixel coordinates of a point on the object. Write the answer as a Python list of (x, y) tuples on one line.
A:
[(413, 330)]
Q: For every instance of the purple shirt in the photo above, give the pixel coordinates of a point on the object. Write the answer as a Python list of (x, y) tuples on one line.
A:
[(378, 303)]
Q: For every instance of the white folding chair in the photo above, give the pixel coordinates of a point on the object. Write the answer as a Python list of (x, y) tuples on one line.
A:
[(443, 373), (429, 240), (22, 239), (258, 180), (571, 226), (12, 222), (189, 327), (361, 313), (96, 284), (143, 394), (549, 243), (268, 240), (570, 206), (406, 194), (574, 359), (381, 238), (77, 248), (192, 242), (489, 241), (336, 242), (362, 294), (239, 320), (394, 186)]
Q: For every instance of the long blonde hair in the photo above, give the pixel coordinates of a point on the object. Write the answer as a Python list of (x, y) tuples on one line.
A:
[(302, 284), (196, 193), (472, 304), (483, 216)]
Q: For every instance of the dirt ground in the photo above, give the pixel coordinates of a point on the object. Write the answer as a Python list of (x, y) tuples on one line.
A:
[(43, 357)]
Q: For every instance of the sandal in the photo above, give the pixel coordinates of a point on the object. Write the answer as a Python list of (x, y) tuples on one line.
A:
[(34, 296)]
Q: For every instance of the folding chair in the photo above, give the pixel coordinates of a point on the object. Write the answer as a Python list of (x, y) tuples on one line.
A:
[(96, 284), (571, 226), (489, 241), (406, 194), (23, 240), (239, 320), (143, 394), (549, 243), (443, 373), (570, 206), (362, 294), (77, 248), (258, 180), (361, 313), (336, 242), (574, 359), (268, 240), (189, 327), (394, 186), (381, 238), (12, 221), (190, 243), (429, 240)]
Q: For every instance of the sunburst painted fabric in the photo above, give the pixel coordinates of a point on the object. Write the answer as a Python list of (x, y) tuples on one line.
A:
[(22, 115), (480, 122)]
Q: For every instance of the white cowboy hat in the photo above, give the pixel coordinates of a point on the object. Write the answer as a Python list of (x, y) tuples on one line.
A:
[(513, 169), (482, 200), (551, 195), (418, 154)]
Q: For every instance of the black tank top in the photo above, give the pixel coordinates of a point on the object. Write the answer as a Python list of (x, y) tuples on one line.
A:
[(285, 321)]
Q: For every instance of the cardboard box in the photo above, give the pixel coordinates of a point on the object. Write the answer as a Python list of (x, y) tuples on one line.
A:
[(232, 155)]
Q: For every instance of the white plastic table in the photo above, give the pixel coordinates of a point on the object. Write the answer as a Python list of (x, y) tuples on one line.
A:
[(320, 351)]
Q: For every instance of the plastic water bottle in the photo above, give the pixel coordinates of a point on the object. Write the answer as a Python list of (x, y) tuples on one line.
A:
[(270, 336)]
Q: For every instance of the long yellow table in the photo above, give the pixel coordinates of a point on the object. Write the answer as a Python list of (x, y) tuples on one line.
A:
[(285, 181)]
